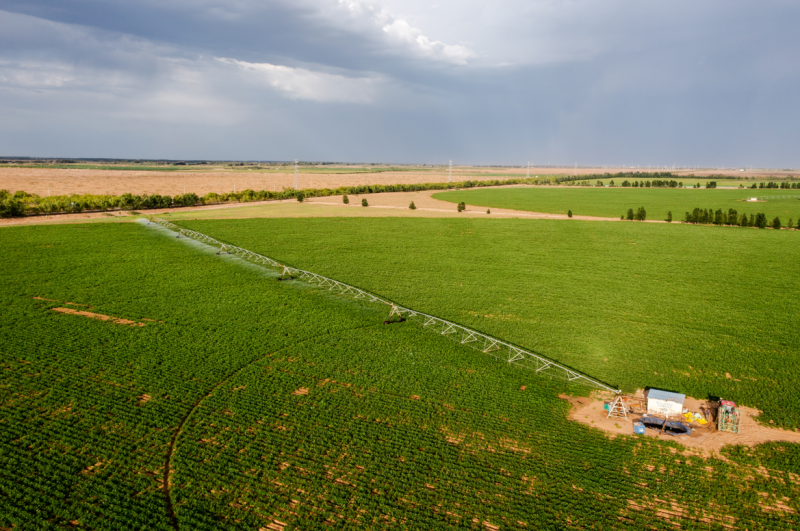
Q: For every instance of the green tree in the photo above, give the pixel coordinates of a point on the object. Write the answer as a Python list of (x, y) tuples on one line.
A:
[(776, 223), (461, 206), (743, 221), (641, 214), (630, 214), (790, 225), (412, 206), (300, 197), (569, 213), (761, 221), (345, 200), (669, 216), (488, 211), (364, 202)]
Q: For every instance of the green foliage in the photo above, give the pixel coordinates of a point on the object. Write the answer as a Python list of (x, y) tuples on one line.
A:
[(11, 208), (364, 202), (669, 217), (776, 223), (569, 213), (299, 197), (345, 199), (631, 216), (412, 206), (641, 214), (461, 207)]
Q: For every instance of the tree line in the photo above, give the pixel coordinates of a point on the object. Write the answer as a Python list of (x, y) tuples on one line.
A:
[(782, 186), (650, 184), (732, 218)]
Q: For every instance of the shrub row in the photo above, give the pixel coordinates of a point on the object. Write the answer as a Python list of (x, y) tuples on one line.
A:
[(733, 219)]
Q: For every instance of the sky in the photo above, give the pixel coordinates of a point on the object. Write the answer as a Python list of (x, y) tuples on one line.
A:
[(560, 82)]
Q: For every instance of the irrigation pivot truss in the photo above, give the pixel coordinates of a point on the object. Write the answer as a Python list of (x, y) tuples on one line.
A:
[(466, 336), (767, 197)]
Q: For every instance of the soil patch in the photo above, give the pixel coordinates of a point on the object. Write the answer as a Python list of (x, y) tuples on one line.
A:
[(704, 439), (98, 316)]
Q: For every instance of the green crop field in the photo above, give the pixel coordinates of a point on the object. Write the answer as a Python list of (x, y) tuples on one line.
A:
[(613, 202), (246, 403), (633, 304)]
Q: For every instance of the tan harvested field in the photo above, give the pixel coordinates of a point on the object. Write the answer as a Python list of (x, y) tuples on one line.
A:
[(57, 181)]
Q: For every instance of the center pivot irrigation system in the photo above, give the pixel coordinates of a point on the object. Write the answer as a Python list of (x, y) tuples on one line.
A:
[(466, 336)]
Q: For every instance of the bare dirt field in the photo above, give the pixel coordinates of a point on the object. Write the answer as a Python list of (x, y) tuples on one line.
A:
[(704, 440), (56, 181)]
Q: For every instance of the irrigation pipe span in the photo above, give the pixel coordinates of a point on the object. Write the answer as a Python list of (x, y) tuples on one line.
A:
[(466, 336)]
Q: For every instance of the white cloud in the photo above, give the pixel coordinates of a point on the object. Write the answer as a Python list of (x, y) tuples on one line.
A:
[(401, 31), (452, 53), (303, 84)]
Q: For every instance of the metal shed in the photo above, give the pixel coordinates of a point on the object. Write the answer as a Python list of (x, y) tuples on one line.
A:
[(664, 402)]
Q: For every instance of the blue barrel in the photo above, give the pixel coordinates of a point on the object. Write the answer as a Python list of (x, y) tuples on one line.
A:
[(638, 428)]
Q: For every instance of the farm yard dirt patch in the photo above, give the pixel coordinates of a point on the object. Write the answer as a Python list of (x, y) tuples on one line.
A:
[(427, 206), (703, 440)]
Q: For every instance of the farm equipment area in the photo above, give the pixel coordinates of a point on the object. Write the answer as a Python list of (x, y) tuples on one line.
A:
[(705, 425)]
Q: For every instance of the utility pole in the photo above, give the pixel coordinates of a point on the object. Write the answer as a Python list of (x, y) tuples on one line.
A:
[(295, 174), (450, 175)]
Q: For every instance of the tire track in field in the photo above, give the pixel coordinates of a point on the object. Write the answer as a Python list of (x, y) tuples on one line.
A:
[(179, 430)]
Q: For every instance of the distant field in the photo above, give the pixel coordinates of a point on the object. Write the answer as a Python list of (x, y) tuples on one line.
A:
[(613, 202), (246, 403)]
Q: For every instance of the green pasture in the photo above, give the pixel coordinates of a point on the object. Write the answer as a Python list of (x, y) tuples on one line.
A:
[(613, 202), (267, 404)]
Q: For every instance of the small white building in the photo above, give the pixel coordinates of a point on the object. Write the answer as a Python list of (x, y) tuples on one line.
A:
[(664, 402)]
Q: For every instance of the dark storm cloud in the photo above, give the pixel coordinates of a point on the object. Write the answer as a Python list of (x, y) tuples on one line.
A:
[(615, 82)]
